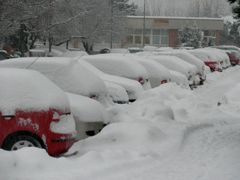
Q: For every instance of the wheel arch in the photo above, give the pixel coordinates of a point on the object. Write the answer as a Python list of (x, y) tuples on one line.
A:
[(19, 133)]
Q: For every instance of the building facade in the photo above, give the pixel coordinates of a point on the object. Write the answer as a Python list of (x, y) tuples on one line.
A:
[(164, 31)]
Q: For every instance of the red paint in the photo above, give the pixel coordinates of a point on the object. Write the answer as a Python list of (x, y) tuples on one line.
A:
[(38, 124), (233, 58)]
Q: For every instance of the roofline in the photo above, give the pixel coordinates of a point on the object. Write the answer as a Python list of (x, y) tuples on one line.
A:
[(169, 17)]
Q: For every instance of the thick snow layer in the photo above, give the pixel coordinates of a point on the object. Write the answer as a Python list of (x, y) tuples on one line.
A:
[(179, 79), (117, 92), (74, 54), (30, 91), (169, 133), (68, 74), (175, 64), (117, 64), (86, 109), (184, 55), (156, 71), (132, 87)]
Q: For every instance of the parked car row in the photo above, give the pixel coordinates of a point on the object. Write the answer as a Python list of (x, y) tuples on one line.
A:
[(51, 102)]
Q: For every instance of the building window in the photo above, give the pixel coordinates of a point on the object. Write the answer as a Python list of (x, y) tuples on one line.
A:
[(160, 37), (129, 39), (156, 37), (138, 39)]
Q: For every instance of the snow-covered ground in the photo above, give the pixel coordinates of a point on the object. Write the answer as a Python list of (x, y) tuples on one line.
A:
[(169, 133)]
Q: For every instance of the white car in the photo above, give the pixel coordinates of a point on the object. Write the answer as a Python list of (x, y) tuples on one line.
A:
[(177, 64), (117, 92), (208, 58), (221, 56), (120, 66), (90, 116), (179, 78), (191, 59), (68, 74), (158, 74), (133, 88)]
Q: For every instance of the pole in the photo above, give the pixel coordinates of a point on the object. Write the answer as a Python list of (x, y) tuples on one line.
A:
[(111, 29), (144, 23)]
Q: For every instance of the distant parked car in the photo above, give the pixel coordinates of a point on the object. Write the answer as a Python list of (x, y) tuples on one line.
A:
[(234, 57), (177, 64), (206, 57), (120, 66), (3, 55), (132, 87), (158, 74), (219, 55), (179, 78), (34, 112), (187, 57)]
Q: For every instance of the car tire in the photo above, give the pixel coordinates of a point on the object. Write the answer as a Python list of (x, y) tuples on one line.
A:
[(20, 141)]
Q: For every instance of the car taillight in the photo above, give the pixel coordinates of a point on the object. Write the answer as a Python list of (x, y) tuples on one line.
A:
[(164, 81), (56, 117), (141, 80)]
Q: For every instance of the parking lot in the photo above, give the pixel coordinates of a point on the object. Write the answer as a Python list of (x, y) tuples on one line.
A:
[(170, 131)]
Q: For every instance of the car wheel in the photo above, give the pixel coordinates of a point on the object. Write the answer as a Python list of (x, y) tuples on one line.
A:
[(17, 142)]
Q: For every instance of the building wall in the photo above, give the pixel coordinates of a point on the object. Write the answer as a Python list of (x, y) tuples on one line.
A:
[(169, 26)]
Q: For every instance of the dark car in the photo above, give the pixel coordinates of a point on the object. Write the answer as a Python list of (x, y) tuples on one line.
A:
[(3, 55)]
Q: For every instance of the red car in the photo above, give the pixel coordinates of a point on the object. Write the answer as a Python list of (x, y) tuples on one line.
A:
[(234, 57), (34, 114)]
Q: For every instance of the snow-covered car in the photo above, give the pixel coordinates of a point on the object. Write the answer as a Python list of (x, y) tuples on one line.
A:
[(187, 57), (132, 87), (74, 54), (158, 74), (119, 50), (234, 56), (67, 73), (34, 112), (207, 58), (228, 47), (3, 55), (119, 65), (179, 78), (177, 64), (117, 93), (220, 55), (89, 115)]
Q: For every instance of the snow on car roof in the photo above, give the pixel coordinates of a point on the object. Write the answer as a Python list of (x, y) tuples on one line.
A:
[(74, 54), (174, 63), (154, 69), (128, 84), (117, 64), (186, 56), (29, 90), (65, 72)]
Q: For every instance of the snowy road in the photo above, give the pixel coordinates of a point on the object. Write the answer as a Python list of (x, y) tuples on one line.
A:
[(169, 134)]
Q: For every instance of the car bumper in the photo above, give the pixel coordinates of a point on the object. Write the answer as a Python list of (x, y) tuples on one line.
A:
[(58, 144)]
